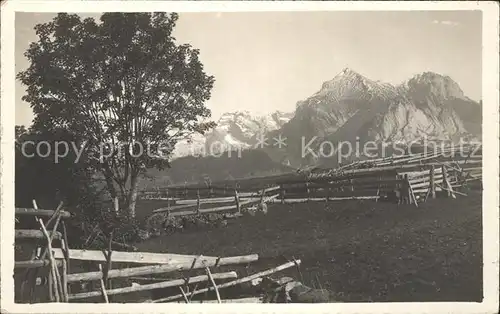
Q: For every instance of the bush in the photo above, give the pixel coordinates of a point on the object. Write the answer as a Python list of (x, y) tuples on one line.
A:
[(164, 223)]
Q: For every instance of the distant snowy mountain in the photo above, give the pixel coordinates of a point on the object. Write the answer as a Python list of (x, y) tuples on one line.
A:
[(192, 147)]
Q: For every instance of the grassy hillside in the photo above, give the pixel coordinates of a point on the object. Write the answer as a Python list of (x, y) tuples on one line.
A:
[(252, 163), (361, 251)]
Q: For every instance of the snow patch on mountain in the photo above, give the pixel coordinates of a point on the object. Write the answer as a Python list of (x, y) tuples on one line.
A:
[(234, 130)]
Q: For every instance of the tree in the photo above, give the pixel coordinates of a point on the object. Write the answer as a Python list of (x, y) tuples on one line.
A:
[(122, 87), (39, 176)]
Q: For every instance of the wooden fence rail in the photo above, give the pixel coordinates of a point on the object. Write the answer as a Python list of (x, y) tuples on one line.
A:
[(157, 285), (40, 212), (367, 183), (35, 234), (131, 257), (201, 262)]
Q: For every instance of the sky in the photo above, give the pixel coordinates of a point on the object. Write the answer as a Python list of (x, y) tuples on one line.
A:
[(267, 61)]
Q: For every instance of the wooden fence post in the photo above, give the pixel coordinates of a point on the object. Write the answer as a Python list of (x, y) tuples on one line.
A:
[(168, 198), (262, 195), (51, 286), (445, 181), (407, 191), (282, 192), (327, 189), (378, 187), (117, 206), (56, 283), (103, 287), (237, 200), (212, 281), (198, 201), (431, 182), (308, 191)]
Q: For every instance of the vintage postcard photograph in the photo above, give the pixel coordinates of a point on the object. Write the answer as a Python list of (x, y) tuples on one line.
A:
[(295, 156)]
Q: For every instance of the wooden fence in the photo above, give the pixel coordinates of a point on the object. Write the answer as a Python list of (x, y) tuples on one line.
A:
[(410, 177), (234, 203)]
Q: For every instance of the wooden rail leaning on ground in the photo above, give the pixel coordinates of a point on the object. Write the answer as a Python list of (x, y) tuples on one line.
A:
[(235, 282), (158, 285)]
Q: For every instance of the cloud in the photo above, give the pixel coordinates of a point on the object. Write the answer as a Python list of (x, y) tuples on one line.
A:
[(445, 22)]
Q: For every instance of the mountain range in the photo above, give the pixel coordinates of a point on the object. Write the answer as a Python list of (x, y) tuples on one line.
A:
[(234, 130), (352, 108)]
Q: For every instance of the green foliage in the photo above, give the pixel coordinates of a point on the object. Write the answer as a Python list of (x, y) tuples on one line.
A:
[(121, 82), (159, 223), (40, 177), (124, 229)]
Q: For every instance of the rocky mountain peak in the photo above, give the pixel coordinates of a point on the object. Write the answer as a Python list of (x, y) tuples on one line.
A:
[(347, 77), (348, 72), (433, 84), (352, 106)]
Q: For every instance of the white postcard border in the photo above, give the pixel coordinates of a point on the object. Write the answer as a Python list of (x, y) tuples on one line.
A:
[(490, 86)]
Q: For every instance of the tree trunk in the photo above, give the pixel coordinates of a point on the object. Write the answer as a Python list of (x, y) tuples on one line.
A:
[(132, 196), (109, 184)]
